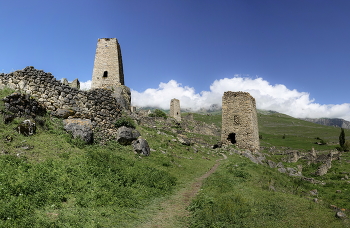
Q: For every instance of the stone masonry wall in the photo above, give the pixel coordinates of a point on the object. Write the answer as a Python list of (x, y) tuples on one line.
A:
[(239, 120), (175, 111), (98, 105), (108, 65)]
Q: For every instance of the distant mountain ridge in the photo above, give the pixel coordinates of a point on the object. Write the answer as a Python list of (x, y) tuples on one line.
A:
[(216, 109), (329, 122)]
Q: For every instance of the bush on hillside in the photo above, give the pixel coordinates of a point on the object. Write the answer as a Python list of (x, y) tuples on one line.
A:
[(125, 121), (158, 113), (346, 146)]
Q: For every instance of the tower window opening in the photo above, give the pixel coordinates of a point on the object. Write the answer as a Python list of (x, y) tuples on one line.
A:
[(232, 138), (105, 74)]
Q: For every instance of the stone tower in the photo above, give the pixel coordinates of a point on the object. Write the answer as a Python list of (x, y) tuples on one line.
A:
[(175, 109), (108, 65), (239, 121)]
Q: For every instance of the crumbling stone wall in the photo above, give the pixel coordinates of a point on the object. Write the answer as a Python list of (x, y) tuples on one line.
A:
[(175, 111), (108, 65), (74, 84), (98, 105), (239, 120)]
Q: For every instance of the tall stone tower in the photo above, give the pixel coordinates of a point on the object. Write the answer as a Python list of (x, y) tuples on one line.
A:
[(239, 121), (175, 109), (108, 65)]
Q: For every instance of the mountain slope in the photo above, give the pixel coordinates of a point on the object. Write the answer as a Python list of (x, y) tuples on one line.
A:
[(336, 122)]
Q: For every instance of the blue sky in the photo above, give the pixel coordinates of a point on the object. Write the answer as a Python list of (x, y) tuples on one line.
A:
[(290, 54)]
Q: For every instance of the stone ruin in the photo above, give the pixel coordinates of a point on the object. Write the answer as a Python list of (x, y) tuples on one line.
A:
[(239, 121), (88, 114), (74, 84), (175, 111), (108, 71), (98, 104), (108, 64)]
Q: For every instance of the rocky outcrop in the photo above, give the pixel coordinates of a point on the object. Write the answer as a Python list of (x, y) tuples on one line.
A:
[(126, 135), (184, 140), (141, 147), (292, 156), (27, 128), (79, 128), (323, 169)]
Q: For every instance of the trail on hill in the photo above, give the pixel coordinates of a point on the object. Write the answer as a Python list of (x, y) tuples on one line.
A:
[(172, 212)]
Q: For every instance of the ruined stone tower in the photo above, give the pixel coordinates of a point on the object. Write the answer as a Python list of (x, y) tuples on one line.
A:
[(239, 121), (175, 109), (108, 65)]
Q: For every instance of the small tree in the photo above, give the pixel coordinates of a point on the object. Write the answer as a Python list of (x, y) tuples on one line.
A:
[(158, 113), (342, 138), (346, 146)]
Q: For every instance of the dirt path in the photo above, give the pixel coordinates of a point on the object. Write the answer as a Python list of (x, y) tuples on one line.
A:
[(172, 212)]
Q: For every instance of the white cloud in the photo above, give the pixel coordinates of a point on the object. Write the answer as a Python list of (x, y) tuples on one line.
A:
[(85, 85), (270, 97)]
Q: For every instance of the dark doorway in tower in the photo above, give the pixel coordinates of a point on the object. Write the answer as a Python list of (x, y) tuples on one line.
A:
[(232, 138), (105, 74)]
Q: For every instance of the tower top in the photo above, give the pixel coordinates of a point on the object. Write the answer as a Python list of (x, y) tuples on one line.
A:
[(108, 64)]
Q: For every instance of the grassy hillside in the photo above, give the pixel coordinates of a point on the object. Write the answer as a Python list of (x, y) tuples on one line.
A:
[(51, 180), (243, 194)]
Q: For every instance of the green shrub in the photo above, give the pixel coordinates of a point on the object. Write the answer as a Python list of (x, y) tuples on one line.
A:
[(158, 113), (125, 121), (346, 146)]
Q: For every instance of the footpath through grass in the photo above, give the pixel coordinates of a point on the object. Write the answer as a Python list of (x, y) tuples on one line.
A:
[(51, 180), (244, 194), (88, 186)]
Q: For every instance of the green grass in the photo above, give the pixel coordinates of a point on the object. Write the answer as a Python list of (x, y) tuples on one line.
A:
[(52, 180), (238, 195), (298, 134), (209, 119), (281, 130)]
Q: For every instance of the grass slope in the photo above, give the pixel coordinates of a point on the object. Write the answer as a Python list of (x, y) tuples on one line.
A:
[(243, 194), (51, 180)]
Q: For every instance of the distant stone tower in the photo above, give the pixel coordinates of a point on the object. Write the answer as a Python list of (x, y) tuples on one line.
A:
[(108, 65), (175, 109), (239, 121)]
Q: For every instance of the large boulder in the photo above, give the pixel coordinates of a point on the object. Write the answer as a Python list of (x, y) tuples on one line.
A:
[(141, 147), (79, 128), (126, 135), (184, 140), (27, 128)]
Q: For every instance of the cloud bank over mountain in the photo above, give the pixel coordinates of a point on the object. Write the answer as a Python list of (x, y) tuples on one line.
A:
[(270, 97)]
